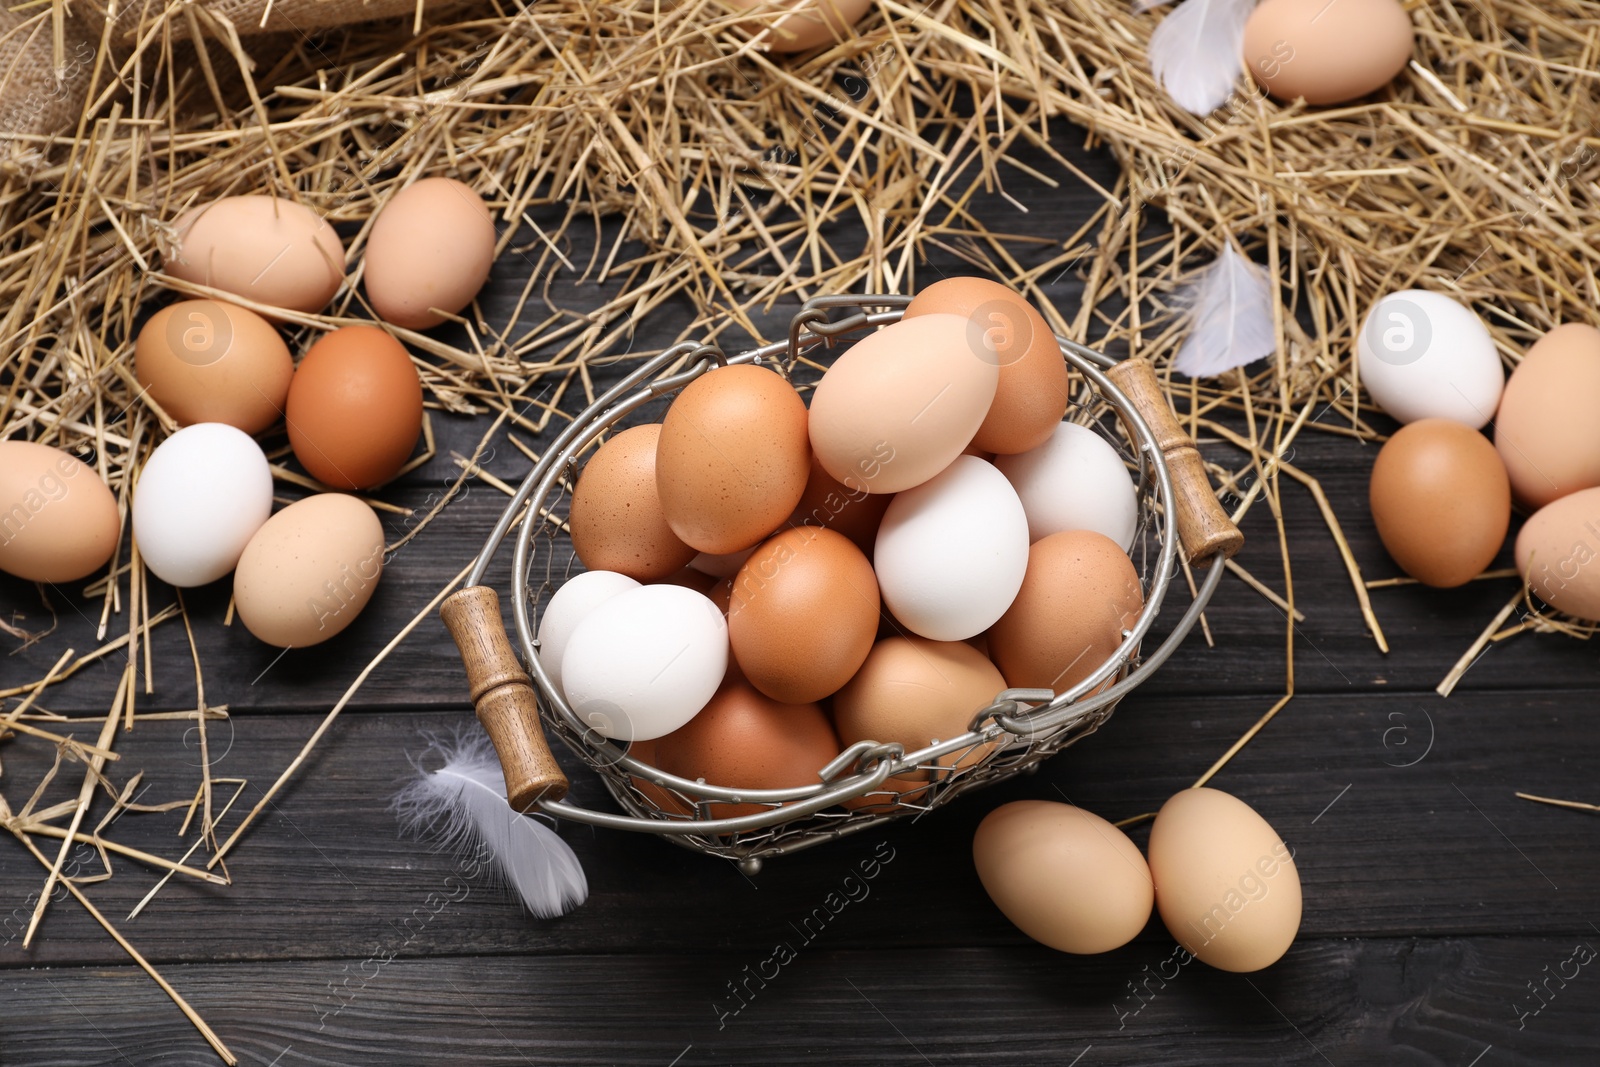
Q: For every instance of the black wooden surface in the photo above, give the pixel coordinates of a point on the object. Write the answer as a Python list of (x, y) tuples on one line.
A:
[(1435, 902)]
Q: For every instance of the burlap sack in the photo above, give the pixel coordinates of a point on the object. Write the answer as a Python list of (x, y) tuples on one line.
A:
[(35, 98)]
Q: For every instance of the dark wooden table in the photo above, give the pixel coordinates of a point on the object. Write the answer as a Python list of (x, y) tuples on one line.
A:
[(1440, 911)]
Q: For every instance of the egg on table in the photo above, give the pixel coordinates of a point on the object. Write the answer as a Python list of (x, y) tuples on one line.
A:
[(1226, 885), (1558, 551), (200, 498), (309, 570), (354, 410), (1441, 501), (58, 521), (1422, 356), (1064, 876)]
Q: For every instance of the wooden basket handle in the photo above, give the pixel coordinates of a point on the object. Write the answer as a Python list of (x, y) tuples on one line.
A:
[(1203, 526), (502, 694)]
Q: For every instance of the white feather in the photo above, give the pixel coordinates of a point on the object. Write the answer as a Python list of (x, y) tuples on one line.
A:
[(1195, 52), (462, 805), (1229, 312)]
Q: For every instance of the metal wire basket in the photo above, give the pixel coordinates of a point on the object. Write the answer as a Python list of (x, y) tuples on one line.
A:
[(1014, 732)]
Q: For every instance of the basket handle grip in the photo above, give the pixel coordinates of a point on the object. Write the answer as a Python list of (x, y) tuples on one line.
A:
[(1203, 526), (502, 695)]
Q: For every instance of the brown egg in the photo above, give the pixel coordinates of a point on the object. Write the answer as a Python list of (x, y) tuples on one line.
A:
[(1226, 884), (1031, 398), (721, 595), (854, 513), (1558, 549), (743, 739), (1545, 429), (616, 518), (802, 614), (915, 691), (354, 411), (1063, 876), (660, 797), (431, 246), (262, 248), (1441, 501), (58, 520), (1080, 592), (733, 458), (813, 23), (1326, 52), (206, 361)]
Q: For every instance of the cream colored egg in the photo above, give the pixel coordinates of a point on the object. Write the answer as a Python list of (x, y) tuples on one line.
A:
[(271, 251), (310, 570), (1064, 876), (902, 403), (1226, 884), (1558, 550)]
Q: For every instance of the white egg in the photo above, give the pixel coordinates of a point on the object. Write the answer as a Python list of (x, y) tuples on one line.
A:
[(952, 551), (1074, 481), (577, 597), (1422, 355), (645, 662), (202, 495)]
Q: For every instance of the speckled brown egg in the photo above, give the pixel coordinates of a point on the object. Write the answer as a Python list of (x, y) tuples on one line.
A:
[(354, 411), (802, 614), (733, 458), (914, 691), (745, 739), (206, 361), (1078, 595), (1031, 397), (1441, 501), (1545, 430), (616, 518), (855, 513)]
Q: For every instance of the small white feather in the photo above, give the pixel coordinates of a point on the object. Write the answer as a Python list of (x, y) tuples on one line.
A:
[(462, 806), (1195, 52), (1229, 311)]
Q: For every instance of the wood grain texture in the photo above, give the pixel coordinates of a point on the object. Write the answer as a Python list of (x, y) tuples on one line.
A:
[(1432, 896)]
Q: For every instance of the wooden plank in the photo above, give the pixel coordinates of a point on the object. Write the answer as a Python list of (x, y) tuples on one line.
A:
[(1435, 848), (1453, 1001)]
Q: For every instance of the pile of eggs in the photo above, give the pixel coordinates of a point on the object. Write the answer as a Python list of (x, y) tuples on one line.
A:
[(767, 584), (1442, 492), (1223, 881), (352, 410)]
